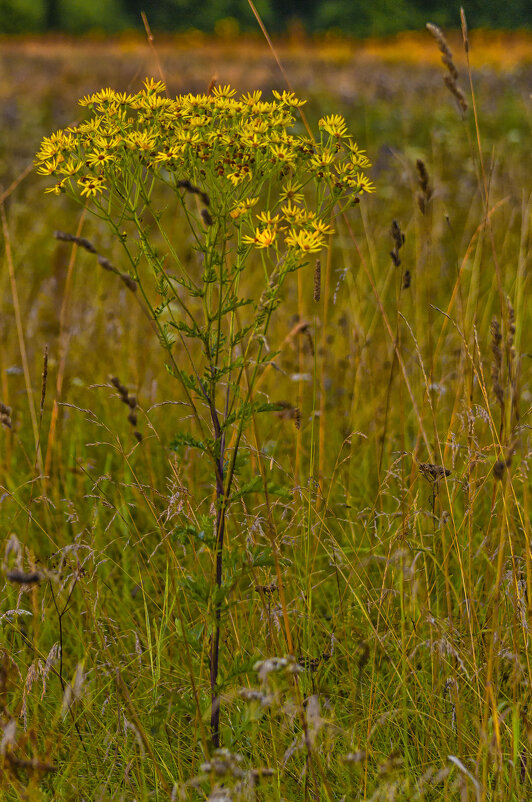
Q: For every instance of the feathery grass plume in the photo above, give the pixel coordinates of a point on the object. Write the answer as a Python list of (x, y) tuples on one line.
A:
[(317, 281), (450, 80), (424, 196)]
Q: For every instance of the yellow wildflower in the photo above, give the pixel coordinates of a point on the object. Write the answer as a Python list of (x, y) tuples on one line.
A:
[(365, 185), (252, 97), (334, 124), (71, 167), (261, 239), (154, 86), (242, 207), (140, 140), (293, 214), (322, 159), (91, 185), (237, 176), (99, 158), (282, 154), (288, 98), (173, 152), (58, 188), (103, 96), (305, 241), (223, 91), (48, 167), (291, 191), (358, 157), (321, 227), (268, 219)]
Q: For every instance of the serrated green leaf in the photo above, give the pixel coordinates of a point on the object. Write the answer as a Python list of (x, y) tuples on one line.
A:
[(186, 439)]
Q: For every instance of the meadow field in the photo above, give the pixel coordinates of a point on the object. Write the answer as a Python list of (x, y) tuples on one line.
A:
[(359, 629)]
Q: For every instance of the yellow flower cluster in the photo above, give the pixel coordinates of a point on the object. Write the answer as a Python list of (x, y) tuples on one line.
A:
[(229, 147)]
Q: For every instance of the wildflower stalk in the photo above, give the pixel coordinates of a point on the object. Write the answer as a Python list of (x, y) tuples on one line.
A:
[(245, 185)]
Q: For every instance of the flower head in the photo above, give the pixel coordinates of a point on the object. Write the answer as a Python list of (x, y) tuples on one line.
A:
[(262, 238), (334, 124), (305, 241)]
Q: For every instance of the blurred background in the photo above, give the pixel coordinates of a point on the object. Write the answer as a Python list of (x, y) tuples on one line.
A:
[(359, 18)]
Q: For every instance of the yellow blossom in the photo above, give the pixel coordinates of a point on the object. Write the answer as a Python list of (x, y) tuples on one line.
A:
[(71, 167), (293, 214), (91, 185), (48, 167), (251, 98), (140, 140), (282, 154), (288, 98), (334, 124), (99, 158), (321, 227), (103, 96), (364, 184), (322, 159), (291, 191), (237, 176), (262, 238), (358, 157), (268, 219), (154, 86), (173, 152), (57, 189), (223, 91), (305, 241), (242, 207)]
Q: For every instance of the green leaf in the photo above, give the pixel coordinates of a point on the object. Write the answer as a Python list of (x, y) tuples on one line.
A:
[(239, 335), (279, 490), (186, 439), (187, 533), (249, 487), (190, 331), (269, 407), (188, 380), (234, 303)]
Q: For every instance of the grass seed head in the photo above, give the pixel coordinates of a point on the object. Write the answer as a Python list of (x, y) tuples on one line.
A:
[(450, 80), (425, 193)]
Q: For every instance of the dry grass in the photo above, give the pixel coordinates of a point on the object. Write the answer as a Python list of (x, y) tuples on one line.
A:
[(401, 466)]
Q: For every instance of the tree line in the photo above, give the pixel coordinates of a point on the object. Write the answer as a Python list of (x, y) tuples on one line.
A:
[(356, 17)]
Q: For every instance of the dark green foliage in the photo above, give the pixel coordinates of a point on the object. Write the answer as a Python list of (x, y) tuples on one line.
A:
[(227, 17)]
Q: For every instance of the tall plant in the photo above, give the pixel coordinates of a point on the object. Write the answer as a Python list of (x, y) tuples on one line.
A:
[(246, 183)]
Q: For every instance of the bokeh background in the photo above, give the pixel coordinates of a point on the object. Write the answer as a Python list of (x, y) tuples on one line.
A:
[(381, 17)]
